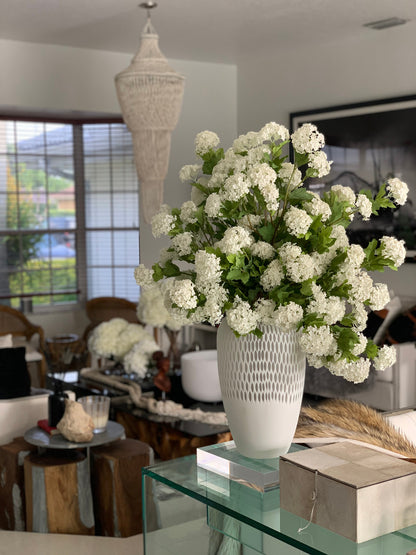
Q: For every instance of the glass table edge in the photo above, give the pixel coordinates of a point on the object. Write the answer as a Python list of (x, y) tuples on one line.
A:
[(151, 472)]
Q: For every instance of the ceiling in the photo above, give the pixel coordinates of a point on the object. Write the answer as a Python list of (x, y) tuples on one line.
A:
[(223, 31)]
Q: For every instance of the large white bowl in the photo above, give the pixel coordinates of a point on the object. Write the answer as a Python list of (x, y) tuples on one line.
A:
[(200, 375)]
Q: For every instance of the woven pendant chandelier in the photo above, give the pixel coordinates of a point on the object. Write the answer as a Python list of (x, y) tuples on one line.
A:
[(150, 94)]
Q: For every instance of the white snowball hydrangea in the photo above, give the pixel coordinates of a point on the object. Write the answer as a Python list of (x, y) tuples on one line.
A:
[(213, 310), (163, 222), (379, 296), (297, 221), (397, 190), (317, 207), (291, 176), (264, 177), (344, 194), (235, 187), (213, 205), (318, 341), (234, 240), (385, 358), (318, 161), (365, 208), (207, 268), (307, 139), (189, 172), (288, 317), (360, 314), (138, 357), (206, 141), (247, 141), (355, 371), (182, 243), (331, 309), (361, 285), (151, 307), (393, 249), (187, 213), (301, 268), (103, 339), (359, 347), (183, 295), (273, 132), (263, 250), (272, 276), (129, 336), (143, 276), (241, 318), (265, 309), (355, 255)]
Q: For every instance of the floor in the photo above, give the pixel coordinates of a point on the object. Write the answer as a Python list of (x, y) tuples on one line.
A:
[(17, 543)]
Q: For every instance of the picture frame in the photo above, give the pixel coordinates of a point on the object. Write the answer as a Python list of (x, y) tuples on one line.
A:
[(370, 142)]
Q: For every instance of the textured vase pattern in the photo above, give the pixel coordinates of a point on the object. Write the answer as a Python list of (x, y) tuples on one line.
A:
[(262, 381)]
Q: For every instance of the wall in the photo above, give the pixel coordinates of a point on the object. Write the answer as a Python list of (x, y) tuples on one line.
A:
[(377, 66), (55, 78)]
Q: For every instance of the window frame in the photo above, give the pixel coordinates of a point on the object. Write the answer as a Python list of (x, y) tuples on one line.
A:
[(77, 120)]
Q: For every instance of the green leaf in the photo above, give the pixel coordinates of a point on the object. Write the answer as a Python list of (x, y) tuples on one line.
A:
[(346, 339), (300, 159), (371, 349), (211, 159), (171, 270), (267, 232), (312, 319), (157, 272), (299, 194), (258, 333), (306, 288)]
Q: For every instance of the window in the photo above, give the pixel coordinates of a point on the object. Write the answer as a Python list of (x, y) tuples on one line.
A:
[(69, 211)]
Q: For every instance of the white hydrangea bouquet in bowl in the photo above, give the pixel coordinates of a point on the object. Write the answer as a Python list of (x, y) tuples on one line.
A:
[(254, 244), (128, 344)]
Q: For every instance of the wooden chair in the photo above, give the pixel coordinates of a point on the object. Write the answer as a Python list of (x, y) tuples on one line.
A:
[(14, 322), (102, 309)]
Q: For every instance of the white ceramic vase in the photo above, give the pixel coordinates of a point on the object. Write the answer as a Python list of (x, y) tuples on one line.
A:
[(262, 381)]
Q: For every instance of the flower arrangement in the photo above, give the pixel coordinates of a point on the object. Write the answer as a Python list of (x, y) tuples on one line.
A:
[(152, 311), (124, 342), (254, 244)]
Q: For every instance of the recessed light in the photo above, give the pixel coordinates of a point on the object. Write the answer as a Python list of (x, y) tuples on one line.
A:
[(386, 23)]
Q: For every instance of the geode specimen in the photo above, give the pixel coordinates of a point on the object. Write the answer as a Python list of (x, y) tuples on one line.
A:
[(76, 425)]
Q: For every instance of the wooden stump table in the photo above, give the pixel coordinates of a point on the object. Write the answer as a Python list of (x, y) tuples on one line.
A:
[(117, 486), (58, 493), (12, 486)]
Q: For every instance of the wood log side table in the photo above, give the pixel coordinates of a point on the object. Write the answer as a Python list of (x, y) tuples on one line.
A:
[(12, 485), (58, 494), (57, 482), (117, 486)]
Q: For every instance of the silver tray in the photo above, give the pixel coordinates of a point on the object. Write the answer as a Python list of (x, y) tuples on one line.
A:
[(40, 438)]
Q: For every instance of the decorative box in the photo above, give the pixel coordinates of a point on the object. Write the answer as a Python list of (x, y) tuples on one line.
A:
[(353, 490)]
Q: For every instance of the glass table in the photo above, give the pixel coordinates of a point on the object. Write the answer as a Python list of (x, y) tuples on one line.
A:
[(190, 510)]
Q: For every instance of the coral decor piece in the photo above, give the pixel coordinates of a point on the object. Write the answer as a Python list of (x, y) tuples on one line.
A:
[(76, 425), (150, 94), (256, 246)]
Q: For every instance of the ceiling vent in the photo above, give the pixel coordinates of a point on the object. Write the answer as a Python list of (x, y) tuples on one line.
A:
[(386, 23)]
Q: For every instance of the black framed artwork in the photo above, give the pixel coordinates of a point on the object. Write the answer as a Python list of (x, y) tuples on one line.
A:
[(369, 143)]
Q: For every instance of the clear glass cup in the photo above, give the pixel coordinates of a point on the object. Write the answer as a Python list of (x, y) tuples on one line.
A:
[(98, 407)]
